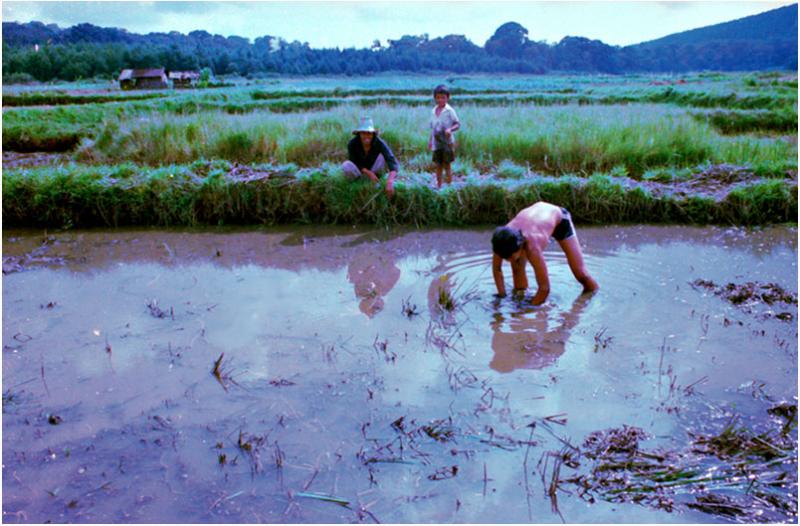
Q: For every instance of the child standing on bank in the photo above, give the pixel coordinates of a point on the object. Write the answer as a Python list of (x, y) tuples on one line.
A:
[(444, 123)]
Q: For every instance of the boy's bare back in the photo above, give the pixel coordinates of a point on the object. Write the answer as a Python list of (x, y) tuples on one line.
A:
[(537, 222)]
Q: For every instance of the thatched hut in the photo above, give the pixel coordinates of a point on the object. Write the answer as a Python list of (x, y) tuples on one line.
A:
[(184, 79), (143, 79)]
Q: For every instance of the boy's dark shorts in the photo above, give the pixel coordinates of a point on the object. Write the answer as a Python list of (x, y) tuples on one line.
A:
[(564, 230), (443, 156)]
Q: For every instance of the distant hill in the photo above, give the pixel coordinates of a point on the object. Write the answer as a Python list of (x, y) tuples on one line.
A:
[(764, 41), (767, 41), (778, 24)]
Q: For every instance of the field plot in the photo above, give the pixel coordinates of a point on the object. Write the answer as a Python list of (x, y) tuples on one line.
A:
[(710, 147), (205, 321)]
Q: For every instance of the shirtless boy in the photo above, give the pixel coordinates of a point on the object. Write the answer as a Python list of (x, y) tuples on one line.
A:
[(524, 239)]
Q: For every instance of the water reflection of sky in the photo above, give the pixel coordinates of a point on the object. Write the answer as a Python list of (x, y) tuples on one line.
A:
[(329, 312)]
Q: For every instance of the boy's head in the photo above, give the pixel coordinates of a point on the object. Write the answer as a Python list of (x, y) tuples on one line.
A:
[(507, 240), (441, 94)]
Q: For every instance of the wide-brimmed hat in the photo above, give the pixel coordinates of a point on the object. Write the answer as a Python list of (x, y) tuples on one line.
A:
[(365, 125)]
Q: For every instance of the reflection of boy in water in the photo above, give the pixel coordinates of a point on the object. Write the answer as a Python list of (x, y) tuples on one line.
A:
[(529, 344), (373, 275), (524, 239)]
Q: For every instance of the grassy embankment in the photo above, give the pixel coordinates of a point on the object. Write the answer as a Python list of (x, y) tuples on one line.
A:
[(53, 98), (211, 193), (582, 133)]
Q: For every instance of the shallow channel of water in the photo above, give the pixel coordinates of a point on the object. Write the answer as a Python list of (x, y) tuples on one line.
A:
[(339, 372)]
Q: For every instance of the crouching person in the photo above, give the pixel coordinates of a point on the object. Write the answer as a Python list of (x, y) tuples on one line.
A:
[(524, 238), (368, 156)]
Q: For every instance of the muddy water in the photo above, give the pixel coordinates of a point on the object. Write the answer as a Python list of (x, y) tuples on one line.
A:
[(345, 374)]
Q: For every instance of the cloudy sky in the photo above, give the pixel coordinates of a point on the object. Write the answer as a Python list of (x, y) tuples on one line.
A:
[(358, 23)]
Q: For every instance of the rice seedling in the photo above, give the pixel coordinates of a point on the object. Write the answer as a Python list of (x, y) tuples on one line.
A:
[(223, 374), (156, 311), (382, 348), (409, 309), (445, 298), (251, 446), (600, 340), (323, 497), (443, 473)]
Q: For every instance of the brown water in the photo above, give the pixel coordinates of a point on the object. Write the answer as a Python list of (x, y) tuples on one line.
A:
[(343, 375)]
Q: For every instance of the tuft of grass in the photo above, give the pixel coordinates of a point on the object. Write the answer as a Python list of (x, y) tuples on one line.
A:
[(783, 120), (224, 376), (508, 170), (756, 202), (445, 299), (667, 175)]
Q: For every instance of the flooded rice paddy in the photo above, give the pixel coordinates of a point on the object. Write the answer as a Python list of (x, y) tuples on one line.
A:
[(353, 375)]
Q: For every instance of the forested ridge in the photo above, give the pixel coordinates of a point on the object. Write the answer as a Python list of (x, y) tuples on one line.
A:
[(35, 51)]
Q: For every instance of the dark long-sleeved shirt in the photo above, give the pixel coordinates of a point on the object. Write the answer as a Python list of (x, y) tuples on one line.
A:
[(355, 152)]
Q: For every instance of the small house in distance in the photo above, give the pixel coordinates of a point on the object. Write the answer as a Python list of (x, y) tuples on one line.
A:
[(184, 79), (143, 79)]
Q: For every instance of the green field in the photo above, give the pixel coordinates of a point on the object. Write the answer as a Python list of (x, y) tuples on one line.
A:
[(595, 143)]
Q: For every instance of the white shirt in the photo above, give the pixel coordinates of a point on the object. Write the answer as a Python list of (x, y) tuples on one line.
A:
[(446, 119)]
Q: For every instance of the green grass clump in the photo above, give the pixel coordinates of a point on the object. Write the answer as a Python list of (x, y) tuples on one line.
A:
[(756, 203), (509, 170), (728, 100), (62, 98), (737, 122), (755, 152), (47, 130), (667, 175)]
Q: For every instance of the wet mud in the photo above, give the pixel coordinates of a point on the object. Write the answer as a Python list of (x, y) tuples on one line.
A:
[(714, 181), (718, 180), (734, 473), (753, 297), (13, 160), (358, 375)]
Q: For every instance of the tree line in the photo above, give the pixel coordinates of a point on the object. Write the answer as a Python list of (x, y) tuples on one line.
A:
[(47, 52)]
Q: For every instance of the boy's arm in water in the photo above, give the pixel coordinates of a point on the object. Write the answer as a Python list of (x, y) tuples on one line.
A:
[(518, 273), (497, 273), (536, 258)]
